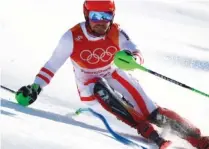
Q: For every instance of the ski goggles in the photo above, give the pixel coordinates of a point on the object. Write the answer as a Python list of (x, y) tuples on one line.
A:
[(97, 16)]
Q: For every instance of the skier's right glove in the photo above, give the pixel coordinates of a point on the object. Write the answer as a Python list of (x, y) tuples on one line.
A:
[(26, 95)]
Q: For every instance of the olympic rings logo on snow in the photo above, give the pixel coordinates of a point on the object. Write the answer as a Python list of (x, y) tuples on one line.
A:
[(98, 54)]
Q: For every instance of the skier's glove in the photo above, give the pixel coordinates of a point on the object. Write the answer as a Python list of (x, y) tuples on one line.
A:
[(136, 55), (26, 95)]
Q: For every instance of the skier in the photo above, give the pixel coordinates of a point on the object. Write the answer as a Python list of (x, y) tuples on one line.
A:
[(91, 46)]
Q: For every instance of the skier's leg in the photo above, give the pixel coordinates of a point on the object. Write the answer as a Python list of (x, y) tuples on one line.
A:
[(184, 129), (115, 104), (88, 93), (165, 117), (150, 110), (112, 102), (130, 88)]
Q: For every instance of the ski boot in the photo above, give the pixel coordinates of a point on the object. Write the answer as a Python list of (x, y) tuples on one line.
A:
[(147, 131)]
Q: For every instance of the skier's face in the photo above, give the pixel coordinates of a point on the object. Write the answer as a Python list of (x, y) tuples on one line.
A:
[(99, 27)]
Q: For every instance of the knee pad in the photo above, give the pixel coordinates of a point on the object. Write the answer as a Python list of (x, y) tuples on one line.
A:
[(106, 92), (111, 101), (103, 90)]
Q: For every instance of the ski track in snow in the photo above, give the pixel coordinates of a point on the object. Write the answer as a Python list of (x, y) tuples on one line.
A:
[(173, 37)]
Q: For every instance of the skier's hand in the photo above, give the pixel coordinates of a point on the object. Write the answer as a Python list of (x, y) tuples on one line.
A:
[(136, 55), (26, 95)]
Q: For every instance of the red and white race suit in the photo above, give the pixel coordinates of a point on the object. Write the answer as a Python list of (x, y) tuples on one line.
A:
[(92, 57)]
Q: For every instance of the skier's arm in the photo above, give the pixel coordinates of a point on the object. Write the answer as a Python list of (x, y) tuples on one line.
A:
[(26, 95), (58, 58), (127, 44)]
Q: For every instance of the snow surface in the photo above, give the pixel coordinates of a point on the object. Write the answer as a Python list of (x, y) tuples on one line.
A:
[(173, 37)]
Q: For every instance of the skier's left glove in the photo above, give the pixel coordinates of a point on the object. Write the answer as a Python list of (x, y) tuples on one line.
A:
[(136, 55), (26, 95)]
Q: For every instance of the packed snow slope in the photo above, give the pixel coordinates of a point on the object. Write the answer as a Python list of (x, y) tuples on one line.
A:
[(172, 35)]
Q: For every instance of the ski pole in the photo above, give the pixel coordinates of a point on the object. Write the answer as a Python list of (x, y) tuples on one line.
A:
[(127, 62), (8, 89)]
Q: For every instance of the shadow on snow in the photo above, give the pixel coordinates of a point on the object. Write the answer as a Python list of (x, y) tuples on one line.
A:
[(58, 118)]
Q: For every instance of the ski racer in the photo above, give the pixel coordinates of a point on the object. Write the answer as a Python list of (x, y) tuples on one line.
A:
[(91, 46)]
